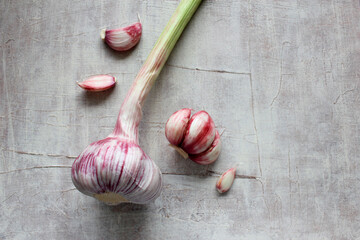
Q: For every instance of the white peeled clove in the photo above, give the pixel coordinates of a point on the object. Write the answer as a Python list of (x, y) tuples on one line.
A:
[(98, 83), (200, 133), (122, 39), (226, 180), (176, 126), (210, 155)]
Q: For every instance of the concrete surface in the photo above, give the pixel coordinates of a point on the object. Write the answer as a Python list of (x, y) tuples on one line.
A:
[(280, 79)]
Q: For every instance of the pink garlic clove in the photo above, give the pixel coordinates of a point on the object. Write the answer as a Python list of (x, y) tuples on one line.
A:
[(200, 133), (98, 83), (211, 154), (226, 180), (122, 39), (176, 126)]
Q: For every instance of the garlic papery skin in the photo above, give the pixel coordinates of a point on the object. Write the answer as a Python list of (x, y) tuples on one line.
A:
[(98, 83), (176, 126), (226, 180), (115, 171), (180, 151), (211, 154), (200, 133), (122, 39)]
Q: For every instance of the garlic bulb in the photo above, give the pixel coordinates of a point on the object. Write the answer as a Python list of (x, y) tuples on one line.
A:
[(116, 169), (226, 180), (98, 83), (196, 138), (113, 170), (122, 39)]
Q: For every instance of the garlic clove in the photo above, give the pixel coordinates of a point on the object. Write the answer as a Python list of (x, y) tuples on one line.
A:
[(175, 127), (200, 133), (122, 39), (211, 154), (98, 83), (226, 180)]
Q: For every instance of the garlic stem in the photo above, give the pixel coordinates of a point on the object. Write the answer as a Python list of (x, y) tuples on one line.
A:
[(130, 111)]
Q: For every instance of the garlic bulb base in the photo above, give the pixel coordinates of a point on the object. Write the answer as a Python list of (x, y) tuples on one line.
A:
[(180, 151), (110, 198)]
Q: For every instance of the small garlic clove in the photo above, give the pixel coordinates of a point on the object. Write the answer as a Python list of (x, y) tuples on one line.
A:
[(122, 39), (98, 83), (176, 126), (200, 133), (226, 180), (211, 154)]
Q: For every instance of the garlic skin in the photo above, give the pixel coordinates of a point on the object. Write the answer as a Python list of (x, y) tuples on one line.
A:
[(200, 133), (211, 154), (226, 180), (176, 125), (122, 39), (98, 83), (115, 171)]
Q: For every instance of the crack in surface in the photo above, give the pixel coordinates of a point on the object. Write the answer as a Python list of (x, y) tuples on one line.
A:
[(255, 128), (208, 70), (342, 94), (210, 173), (31, 168), (41, 154)]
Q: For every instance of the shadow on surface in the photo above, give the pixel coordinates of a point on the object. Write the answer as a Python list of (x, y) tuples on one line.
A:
[(96, 98), (125, 221)]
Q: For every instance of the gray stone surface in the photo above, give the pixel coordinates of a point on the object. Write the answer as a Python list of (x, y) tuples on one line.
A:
[(280, 78)]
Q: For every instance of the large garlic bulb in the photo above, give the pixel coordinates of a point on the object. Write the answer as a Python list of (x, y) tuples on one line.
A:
[(116, 171)]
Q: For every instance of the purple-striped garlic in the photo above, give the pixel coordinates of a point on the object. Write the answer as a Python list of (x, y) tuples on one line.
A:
[(116, 169), (122, 39), (195, 138), (98, 83)]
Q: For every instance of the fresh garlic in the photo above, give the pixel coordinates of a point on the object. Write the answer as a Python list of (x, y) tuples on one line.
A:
[(176, 126), (211, 154), (113, 171), (200, 133), (226, 180), (122, 39), (196, 138), (98, 83), (116, 169)]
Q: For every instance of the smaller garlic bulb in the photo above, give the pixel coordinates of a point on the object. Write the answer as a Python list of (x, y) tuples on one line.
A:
[(194, 137)]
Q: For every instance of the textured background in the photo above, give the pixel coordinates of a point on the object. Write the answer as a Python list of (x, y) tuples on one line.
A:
[(279, 77)]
